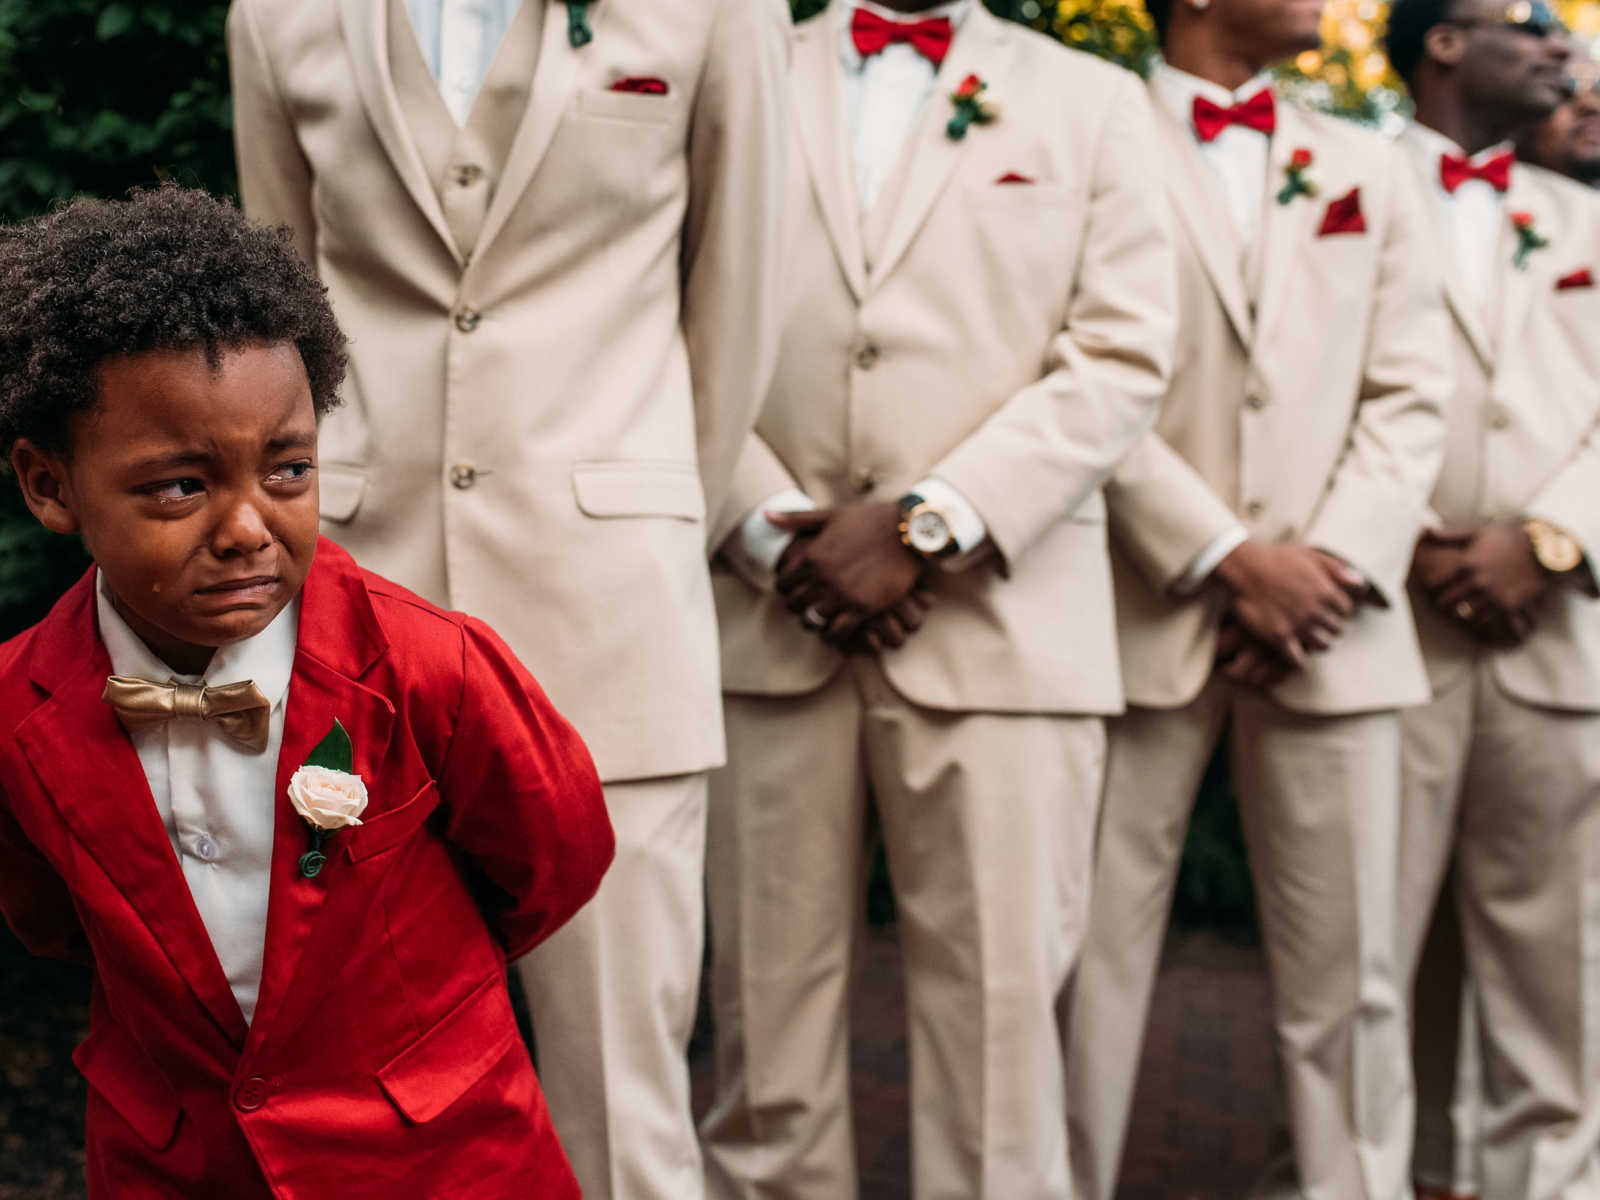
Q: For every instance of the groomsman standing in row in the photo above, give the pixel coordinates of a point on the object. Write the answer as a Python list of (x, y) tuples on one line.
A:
[(1261, 538), (551, 232), (979, 328), (1568, 140), (1502, 766)]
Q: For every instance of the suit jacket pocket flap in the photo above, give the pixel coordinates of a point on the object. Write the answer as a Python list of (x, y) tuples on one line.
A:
[(639, 489), (438, 1068), (117, 1067), (339, 491), (388, 829)]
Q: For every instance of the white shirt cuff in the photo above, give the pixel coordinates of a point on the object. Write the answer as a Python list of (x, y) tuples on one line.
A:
[(1209, 559), (966, 526), (758, 544)]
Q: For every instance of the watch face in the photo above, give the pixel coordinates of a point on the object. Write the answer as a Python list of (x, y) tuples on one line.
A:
[(1560, 554), (927, 531)]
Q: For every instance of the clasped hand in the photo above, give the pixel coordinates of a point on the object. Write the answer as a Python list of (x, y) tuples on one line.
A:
[(1485, 578), (1289, 601), (849, 579)]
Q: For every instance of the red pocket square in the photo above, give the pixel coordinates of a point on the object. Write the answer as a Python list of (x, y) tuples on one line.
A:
[(1578, 279), (646, 85), (1013, 177), (1344, 215)]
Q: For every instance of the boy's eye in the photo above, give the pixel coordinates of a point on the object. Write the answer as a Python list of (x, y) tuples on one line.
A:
[(175, 489), (292, 471)]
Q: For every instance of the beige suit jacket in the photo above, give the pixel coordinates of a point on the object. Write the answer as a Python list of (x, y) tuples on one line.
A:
[(586, 377), (1011, 339), (1525, 427), (1305, 405)]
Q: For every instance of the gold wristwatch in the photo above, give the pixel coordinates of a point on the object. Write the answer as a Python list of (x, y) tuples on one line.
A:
[(1556, 550), (925, 528)]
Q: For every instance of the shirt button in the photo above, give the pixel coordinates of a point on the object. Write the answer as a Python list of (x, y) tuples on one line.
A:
[(864, 481), (1255, 402), (252, 1094), (1254, 509), (468, 174), (204, 848), (867, 357), (467, 319), (463, 476)]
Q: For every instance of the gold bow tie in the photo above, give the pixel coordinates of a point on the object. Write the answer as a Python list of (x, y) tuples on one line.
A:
[(238, 709)]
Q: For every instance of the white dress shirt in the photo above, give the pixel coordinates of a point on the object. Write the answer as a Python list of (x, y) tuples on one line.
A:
[(459, 39), (1238, 156), (216, 799), (1477, 214), (884, 96)]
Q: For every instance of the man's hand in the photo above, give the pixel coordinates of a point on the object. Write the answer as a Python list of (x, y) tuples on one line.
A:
[(1293, 598), (1249, 661), (846, 566), (1484, 577)]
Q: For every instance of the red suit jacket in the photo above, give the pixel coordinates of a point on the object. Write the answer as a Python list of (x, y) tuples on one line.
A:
[(383, 1059)]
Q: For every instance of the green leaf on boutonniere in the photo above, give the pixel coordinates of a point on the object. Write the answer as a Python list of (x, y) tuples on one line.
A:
[(579, 34), (334, 751)]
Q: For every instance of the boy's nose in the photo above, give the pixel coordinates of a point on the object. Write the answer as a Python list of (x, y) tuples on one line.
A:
[(242, 531)]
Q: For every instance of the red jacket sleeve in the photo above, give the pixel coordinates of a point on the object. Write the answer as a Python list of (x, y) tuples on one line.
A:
[(521, 796), (35, 901)]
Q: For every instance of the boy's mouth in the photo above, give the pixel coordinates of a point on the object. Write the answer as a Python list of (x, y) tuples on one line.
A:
[(247, 592), (249, 583)]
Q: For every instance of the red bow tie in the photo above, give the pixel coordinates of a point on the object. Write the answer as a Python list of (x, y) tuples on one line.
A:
[(1453, 171), (930, 38), (1259, 112)]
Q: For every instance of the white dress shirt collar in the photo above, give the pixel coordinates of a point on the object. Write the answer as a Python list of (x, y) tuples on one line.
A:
[(1176, 91), (1435, 145), (267, 658), (955, 12)]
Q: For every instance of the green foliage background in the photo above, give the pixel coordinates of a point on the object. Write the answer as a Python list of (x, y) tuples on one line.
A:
[(99, 97)]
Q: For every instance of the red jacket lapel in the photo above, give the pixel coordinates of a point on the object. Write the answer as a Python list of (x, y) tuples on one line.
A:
[(89, 768), (339, 641)]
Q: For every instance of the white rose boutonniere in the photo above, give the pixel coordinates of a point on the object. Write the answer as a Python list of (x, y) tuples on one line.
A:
[(327, 795)]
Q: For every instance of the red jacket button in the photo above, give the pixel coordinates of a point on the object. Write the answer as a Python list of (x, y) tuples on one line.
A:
[(252, 1094)]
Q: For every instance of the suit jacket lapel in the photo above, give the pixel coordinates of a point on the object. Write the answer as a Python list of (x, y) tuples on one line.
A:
[(1202, 213), (555, 79), (1286, 229), (339, 641), (980, 48), (1468, 317), (92, 773), (823, 129), (1515, 290)]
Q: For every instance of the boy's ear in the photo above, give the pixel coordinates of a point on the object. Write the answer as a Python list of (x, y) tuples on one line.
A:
[(43, 478), (1445, 45)]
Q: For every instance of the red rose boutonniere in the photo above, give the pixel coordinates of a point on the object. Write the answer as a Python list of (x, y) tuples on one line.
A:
[(579, 33), (1529, 239), (971, 107), (1295, 182)]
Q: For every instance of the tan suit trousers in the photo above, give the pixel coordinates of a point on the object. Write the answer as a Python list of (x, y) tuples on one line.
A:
[(987, 820), (1318, 800), (612, 998), (1514, 792)]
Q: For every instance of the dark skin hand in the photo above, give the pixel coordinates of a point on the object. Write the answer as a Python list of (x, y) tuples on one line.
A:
[(1294, 599), (848, 564), (1247, 660), (1485, 578)]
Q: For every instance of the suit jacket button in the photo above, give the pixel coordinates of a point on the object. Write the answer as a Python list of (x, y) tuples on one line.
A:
[(1254, 509), (864, 481), (867, 357), (468, 174), (467, 319), (1500, 419), (252, 1094), (1255, 402), (463, 476)]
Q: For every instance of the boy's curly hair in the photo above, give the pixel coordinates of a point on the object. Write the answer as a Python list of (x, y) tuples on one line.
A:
[(169, 268)]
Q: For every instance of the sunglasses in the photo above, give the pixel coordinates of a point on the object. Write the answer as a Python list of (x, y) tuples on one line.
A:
[(1532, 17)]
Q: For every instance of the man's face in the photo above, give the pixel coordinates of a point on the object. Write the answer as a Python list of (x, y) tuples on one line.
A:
[(1271, 30), (1511, 61), (195, 491), (1568, 141)]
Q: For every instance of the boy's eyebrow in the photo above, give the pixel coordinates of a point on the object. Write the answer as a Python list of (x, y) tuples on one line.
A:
[(291, 441), (162, 462)]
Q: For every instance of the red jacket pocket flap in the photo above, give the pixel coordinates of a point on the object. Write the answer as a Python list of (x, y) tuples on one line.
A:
[(1577, 279), (437, 1069), (388, 829), (644, 85), (118, 1068)]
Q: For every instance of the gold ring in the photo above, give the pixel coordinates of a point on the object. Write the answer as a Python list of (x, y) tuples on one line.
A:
[(1464, 610), (813, 618)]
